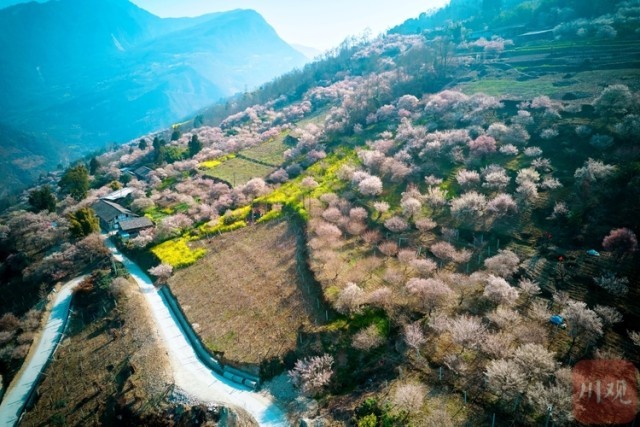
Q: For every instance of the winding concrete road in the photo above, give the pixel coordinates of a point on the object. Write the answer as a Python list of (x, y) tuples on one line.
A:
[(189, 373), (20, 388)]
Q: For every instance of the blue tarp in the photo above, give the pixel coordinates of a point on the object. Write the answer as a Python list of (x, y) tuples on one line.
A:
[(593, 252), (556, 319)]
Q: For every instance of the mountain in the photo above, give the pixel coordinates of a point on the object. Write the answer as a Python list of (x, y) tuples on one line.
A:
[(7, 3), (23, 156), (87, 72)]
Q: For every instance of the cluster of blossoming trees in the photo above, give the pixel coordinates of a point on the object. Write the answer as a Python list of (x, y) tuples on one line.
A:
[(371, 250)]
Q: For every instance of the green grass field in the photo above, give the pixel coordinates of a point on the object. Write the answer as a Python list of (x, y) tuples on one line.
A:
[(590, 82), (511, 88), (556, 67), (239, 171), (271, 152), (255, 162)]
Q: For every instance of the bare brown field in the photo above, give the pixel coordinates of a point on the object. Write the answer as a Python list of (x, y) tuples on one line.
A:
[(244, 298), (110, 360)]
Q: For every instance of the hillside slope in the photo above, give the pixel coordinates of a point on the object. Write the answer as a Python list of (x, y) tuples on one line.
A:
[(453, 192), (444, 227), (23, 157)]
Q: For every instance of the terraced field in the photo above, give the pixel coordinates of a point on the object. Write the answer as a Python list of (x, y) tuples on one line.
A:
[(258, 161), (556, 69)]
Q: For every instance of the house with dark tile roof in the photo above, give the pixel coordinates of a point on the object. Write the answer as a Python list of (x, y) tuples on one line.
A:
[(132, 227), (111, 213), (142, 172)]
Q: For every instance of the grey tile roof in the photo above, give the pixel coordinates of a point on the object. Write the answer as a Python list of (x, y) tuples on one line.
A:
[(143, 171), (135, 224), (107, 210)]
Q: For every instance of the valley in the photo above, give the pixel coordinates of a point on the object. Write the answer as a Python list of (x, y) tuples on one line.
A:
[(434, 227), (136, 73)]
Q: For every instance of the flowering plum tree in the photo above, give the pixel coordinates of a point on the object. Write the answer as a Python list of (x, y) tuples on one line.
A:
[(388, 248), (162, 272), (499, 291), (582, 322), (312, 374), (409, 397), (592, 171), (502, 205), (482, 145), (621, 241), (504, 264), (495, 177), (467, 178), (433, 293), (614, 99), (414, 337), (350, 299), (469, 206), (370, 186), (608, 281), (395, 224), (536, 362), (505, 377), (467, 331), (411, 206), (367, 338)]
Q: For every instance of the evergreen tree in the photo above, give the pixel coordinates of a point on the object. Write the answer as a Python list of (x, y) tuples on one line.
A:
[(125, 178), (194, 145), (94, 165), (142, 144), (42, 198), (175, 135), (158, 150), (83, 222), (159, 155), (75, 182), (158, 143)]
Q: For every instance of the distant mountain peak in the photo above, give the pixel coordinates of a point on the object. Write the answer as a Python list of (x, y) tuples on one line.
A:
[(88, 72)]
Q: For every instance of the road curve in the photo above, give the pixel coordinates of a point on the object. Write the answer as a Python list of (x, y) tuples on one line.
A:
[(20, 388), (189, 373)]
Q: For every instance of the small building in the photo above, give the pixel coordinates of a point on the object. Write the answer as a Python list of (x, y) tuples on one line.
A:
[(132, 227), (142, 172), (117, 195), (111, 213)]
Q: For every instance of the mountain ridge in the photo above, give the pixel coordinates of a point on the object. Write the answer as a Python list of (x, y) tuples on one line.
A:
[(90, 73)]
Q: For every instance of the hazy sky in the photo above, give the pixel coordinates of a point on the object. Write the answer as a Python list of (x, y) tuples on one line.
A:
[(321, 24)]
